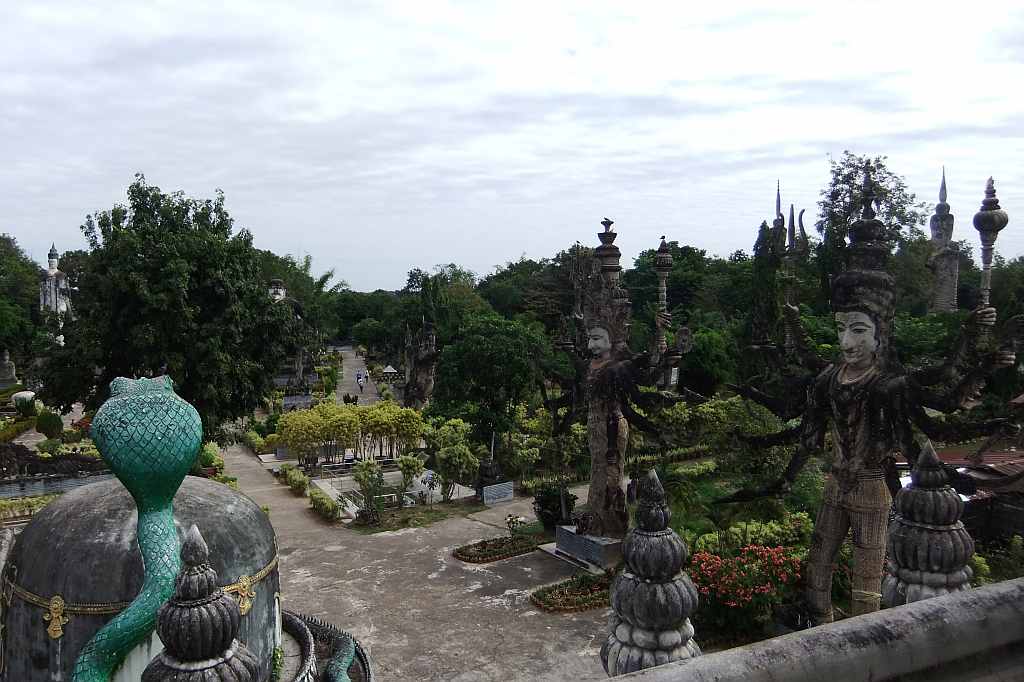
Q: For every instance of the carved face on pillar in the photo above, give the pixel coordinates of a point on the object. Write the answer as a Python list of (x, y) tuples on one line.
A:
[(599, 343), (858, 339)]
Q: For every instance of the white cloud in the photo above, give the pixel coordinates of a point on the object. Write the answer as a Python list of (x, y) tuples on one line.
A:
[(384, 136)]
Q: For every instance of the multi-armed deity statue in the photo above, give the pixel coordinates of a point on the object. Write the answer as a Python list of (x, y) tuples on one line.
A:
[(608, 375), (870, 404)]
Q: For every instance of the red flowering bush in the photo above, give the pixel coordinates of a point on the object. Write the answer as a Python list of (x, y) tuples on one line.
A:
[(738, 593)]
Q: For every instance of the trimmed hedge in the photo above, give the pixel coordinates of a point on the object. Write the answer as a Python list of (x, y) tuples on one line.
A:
[(49, 424), (324, 505), (16, 428), (295, 479)]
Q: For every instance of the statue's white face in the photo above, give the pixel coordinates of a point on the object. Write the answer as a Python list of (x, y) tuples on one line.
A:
[(598, 342), (857, 339)]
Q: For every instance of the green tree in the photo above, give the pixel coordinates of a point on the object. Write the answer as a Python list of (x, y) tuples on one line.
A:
[(168, 286), (20, 323), (490, 368), (411, 467), (841, 204)]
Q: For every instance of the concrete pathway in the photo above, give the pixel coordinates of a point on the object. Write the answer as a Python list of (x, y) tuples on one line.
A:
[(352, 363), (422, 614)]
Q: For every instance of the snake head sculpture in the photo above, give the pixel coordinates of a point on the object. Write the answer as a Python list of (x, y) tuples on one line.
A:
[(149, 437)]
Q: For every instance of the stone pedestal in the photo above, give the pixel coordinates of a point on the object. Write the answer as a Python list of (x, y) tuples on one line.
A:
[(591, 550)]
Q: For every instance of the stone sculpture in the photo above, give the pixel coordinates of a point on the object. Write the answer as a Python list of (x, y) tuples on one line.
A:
[(873, 405), (944, 261), (421, 357), (199, 627), (652, 598), (613, 376), (149, 437), (8, 373), (928, 544)]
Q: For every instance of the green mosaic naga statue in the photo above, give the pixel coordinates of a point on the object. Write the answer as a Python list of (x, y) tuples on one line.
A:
[(149, 437)]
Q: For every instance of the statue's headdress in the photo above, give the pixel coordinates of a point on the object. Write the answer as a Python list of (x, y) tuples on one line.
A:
[(606, 304), (865, 285)]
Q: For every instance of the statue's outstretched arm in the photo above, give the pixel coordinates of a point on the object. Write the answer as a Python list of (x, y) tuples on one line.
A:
[(806, 354)]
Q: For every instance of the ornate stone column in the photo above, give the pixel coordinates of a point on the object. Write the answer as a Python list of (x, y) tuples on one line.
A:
[(652, 599), (945, 259), (928, 544), (662, 266), (199, 627)]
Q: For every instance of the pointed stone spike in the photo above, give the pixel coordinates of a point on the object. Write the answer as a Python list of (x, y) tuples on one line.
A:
[(194, 551), (942, 187), (778, 198), (650, 490), (928, 459)]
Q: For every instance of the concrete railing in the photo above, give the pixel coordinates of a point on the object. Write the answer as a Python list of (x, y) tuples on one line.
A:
[(962, 636)]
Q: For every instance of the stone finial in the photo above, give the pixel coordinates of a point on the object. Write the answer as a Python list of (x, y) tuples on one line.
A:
[(928, 544), (778, 198), (942, 193), (652, 599), (990, 218), (199, 627), (663, 257), (868, 194)]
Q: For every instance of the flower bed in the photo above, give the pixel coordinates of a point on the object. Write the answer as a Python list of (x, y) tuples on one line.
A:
[(579, 593), (739, 593), (495, 549)]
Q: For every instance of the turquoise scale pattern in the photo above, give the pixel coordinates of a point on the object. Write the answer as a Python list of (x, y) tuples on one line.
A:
[(150, 437)]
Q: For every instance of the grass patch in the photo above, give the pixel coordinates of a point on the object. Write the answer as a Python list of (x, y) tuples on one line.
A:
[(419, 516), (579, 593)]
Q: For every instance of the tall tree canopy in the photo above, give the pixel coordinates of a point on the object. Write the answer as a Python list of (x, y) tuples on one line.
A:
[(167, 286), (20, 323)]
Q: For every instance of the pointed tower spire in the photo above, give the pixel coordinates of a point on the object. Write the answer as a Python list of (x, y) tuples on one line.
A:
[(942, 187), (778, 198), (791, 242)]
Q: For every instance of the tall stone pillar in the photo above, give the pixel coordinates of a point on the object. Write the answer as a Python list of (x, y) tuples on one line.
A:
[(945, 259)]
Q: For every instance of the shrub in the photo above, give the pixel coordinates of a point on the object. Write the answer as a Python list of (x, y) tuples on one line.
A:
[(270, 444), (982, 574), (547, 505), (296, 480), (411, 467), (792, 530), (49, 424), (370, 478), (49, 446), (254, 441), (72, 436), (324, 505), (208, 458), (26, 407), (738, 593), (16, 428)]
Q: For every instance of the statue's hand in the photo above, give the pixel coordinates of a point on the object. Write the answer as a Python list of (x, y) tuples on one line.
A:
[(983, 317), (1003, 358), (663, 320), (791, 310)]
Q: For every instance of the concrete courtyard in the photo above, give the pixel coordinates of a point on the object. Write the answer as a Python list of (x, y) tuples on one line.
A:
[(420, 613)]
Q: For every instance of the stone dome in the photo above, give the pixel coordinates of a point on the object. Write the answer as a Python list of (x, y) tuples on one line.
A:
[(82, 549)]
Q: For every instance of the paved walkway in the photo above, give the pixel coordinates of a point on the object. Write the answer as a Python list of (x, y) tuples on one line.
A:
[(352, 363), (422, 614)]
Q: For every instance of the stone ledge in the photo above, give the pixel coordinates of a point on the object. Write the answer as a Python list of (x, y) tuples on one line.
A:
[(923, 640)]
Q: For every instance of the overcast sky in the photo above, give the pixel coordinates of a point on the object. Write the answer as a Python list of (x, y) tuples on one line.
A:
[(379, 137)]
